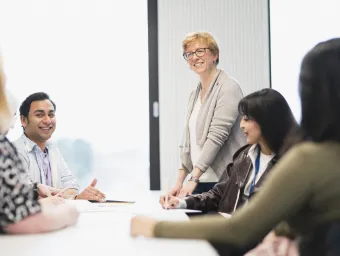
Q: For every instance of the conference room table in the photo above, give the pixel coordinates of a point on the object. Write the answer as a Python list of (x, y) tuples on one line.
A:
[(104, 229)]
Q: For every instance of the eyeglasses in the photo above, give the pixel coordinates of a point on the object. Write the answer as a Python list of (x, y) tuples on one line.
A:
[(199, 53)]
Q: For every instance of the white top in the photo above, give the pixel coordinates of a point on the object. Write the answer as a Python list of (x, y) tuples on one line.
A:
[(195, 150), (264, 160)]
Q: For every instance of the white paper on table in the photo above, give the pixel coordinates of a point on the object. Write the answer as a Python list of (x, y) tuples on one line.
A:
[(81, 205)]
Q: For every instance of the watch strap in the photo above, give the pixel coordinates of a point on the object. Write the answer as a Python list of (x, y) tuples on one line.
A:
[(194, 179)]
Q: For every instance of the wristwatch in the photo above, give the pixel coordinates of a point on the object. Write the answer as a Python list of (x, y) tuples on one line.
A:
[(194, 179)]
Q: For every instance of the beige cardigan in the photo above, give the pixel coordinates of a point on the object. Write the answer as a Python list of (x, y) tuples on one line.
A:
[(218, 125)]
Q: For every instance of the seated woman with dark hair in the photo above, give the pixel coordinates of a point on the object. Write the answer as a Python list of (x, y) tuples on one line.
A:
[(303, 188), (266, 122)]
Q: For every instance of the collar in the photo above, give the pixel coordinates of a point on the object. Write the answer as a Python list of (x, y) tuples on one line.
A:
[(249, 158), (30, 145), (252, 153), (214, 81)]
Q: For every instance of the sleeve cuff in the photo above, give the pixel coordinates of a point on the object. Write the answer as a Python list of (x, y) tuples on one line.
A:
[(182, 204)]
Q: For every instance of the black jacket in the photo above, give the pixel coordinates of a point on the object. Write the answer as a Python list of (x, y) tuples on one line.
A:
[(227, 194)]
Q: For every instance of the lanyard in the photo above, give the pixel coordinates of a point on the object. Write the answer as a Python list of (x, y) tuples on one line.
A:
[(257, 168)]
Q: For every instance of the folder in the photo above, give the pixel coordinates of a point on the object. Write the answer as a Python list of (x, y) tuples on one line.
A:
[(113, 202)]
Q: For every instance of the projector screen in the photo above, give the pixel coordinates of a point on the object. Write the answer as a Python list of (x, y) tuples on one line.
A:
[(295, 27)]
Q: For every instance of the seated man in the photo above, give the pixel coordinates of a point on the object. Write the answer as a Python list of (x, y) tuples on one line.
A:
[(40, 158)]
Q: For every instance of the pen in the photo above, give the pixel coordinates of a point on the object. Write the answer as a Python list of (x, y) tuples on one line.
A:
[(166, 192)]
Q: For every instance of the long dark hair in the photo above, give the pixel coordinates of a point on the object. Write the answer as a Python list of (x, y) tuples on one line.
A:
[(319, 86), (271, 111)]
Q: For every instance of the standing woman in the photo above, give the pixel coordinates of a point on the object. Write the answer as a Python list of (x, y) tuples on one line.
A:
[(212, 133), (20, 211)]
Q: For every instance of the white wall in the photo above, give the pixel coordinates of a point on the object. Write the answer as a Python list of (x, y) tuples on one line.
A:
[(292, 38), (241, 29)]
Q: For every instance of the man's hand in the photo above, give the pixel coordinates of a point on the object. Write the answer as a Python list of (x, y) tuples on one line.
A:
[(188, 188), (91, 193)]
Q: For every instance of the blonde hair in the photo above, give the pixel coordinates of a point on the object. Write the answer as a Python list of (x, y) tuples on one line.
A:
[(203, 37), (5, 114)]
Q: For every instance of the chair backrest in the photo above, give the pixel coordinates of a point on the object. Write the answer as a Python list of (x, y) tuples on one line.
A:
[(325, 240)]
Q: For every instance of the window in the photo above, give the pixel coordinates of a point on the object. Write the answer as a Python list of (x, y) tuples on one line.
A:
[(296, 27), (91, 57)]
